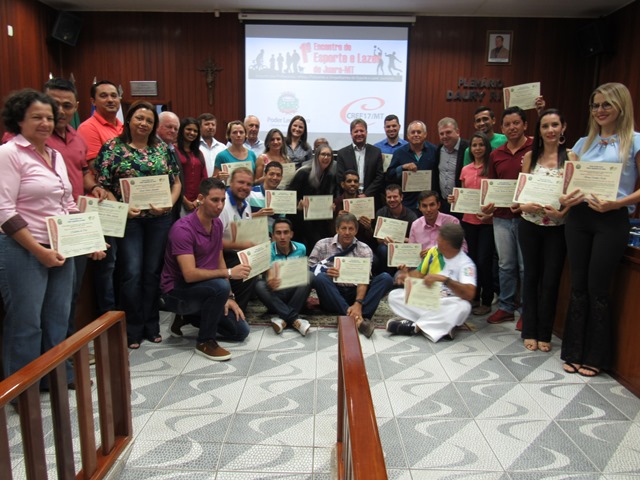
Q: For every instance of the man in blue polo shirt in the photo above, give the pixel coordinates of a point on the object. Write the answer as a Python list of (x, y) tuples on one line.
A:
[(286, 303), (195, 278)]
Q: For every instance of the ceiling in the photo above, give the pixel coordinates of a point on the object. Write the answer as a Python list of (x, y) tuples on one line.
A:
[(456, 8)]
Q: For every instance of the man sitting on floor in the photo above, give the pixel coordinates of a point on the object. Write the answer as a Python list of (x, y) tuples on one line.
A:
[(445, 263), (358, 301), (288, 302), (195, 278)]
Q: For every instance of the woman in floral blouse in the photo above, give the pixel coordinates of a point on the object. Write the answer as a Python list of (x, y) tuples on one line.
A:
[(139, 153)]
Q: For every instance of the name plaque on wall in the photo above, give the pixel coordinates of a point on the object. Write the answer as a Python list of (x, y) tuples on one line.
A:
[(144, 88)]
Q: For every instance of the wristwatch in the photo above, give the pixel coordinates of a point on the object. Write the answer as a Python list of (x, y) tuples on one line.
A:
[(360, 301), (446, 281)]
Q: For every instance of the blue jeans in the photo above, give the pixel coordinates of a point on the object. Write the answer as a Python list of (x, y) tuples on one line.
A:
[(202, 305), (510, 266), (37, 301), (103, 278), (141, 251), (80, 264), (336, 298), (285, 303)]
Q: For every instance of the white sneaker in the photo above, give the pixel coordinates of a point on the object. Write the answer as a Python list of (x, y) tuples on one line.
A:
[(302, 326), (278, 325)]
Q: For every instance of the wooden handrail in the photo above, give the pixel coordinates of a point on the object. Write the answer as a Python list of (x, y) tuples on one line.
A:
[(114, 403), (359, 453)]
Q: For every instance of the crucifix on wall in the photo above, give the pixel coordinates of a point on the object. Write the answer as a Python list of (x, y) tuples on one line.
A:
[(210, 70)]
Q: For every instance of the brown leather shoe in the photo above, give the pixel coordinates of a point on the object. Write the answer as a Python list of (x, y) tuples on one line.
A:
[(481, 310), (367, 327), (500, 316)]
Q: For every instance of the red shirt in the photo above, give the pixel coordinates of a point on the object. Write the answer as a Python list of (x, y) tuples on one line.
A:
[(74, 153), (193, 172), (506, 165), (96, 131)]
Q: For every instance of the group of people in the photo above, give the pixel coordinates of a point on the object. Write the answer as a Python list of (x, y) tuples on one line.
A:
[(184, 259)]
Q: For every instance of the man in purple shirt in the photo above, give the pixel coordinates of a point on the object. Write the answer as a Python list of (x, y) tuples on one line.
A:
[(195, 278)]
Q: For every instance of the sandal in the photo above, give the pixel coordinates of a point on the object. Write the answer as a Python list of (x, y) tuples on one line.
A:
[(530, 344), (544, 346), (154, 338), (570, 368), (134, 345), (593, 372)]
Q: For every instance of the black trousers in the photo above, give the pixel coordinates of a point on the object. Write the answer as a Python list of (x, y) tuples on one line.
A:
[(481, 248), (543, 252), (595, 245)]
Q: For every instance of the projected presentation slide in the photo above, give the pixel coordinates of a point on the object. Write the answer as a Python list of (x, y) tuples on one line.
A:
[(329, 74)]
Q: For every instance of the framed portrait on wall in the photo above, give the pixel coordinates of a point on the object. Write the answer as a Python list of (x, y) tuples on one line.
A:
[(499, 47)]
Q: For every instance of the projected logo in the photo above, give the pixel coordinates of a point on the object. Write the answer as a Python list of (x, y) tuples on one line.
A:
[(367, 108), (288, 102)]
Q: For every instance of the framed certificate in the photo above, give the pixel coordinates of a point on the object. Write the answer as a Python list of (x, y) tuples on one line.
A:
[(404, 254), (352, 270), (416, 181), (360, 207), (113, 215), (142, 192), (394, 229), (541, 189), (601, 179), (255, 230), (257, 257), (523, 96), (498, 192), (291, 273), (75, 235), (417, 294), (466, 200), (230, 167), (282, 201), (320, 207)]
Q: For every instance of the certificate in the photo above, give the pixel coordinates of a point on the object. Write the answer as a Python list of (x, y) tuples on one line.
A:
[(282, 201), (466, 200), (75, 235), (291, 273), (113, 215), (417, 294), (386, 161), (541, 189), (392, 228), (257, 257), (523, 96), (404, 254), (319, 208), (230, 167), (592, 178), (254, 230), (288, 172), (142, 192), (498, 192), (360, 207), (416, 181), (352, 270)]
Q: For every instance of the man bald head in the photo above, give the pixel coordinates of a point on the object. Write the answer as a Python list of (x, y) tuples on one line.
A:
[(168, 126)]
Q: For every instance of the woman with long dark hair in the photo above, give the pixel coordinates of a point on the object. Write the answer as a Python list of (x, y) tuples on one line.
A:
[(139, 153), (194, 168), (541, 234), (597, 230), (298, 149), (478, 228), (275, 150)]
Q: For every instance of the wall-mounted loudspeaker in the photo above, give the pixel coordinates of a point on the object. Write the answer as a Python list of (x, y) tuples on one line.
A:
[(67, 28), (593, 39)]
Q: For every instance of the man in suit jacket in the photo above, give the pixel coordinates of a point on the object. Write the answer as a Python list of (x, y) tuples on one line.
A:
[(364, 159), (449, 161)]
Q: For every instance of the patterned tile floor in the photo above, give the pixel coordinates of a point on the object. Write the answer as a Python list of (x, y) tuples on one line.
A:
[(478, 407)]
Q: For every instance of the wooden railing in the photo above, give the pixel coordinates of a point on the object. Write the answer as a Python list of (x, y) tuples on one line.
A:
[(108, 334), (359, 450)]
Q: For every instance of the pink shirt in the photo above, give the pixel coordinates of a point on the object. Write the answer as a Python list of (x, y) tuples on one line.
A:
[(96, 131), (31, 189), (427, 235), (470, 176), (74, 151)]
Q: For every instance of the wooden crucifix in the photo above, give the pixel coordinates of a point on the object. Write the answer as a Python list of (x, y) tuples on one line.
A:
[(210, 70)]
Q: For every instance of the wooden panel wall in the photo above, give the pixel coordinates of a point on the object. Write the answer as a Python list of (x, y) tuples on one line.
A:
[(170, 47), (25, 58)]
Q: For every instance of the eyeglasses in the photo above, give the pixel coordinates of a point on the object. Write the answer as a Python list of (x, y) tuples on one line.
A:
[(323, 154), (606, 106)]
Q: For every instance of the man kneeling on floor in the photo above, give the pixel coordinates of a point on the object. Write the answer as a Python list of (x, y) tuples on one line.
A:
[(287, 302), (445, 263), (195, 278), (358, 301)]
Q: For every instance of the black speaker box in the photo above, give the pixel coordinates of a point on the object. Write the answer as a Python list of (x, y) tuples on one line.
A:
[(594, 39), (67, 28)]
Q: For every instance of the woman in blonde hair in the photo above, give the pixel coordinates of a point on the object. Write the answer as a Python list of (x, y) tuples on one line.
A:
[(597, 230)]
